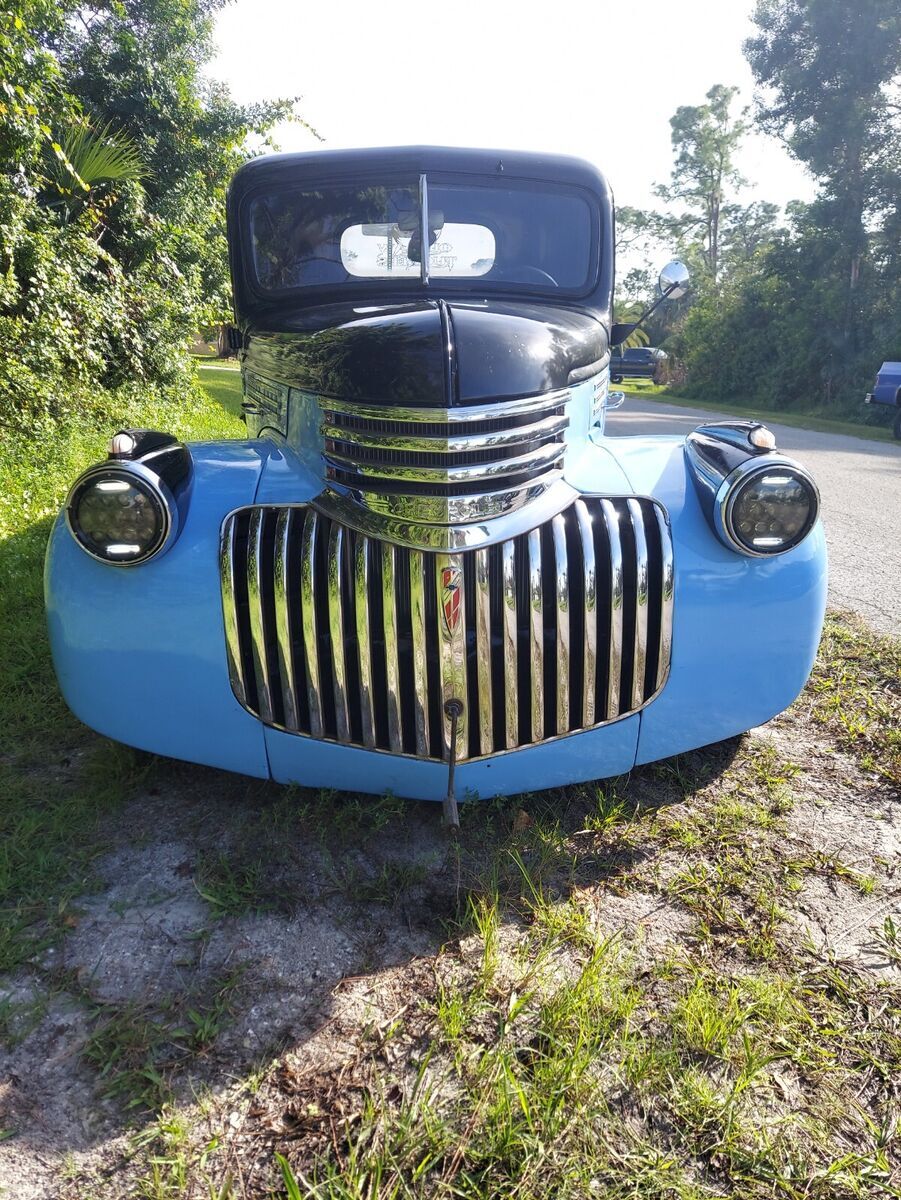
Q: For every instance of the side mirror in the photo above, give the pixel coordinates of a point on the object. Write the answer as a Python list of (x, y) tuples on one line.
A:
[(614, 400), (673, 283), (674, 280)]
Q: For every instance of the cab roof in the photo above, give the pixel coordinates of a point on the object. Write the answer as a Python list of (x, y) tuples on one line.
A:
[(326, 164)]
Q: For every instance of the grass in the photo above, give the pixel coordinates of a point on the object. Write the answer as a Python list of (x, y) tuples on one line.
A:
[(644, 389), (137, 1049), (856, 687), (59, 782), (682, 1081), (222, 384)]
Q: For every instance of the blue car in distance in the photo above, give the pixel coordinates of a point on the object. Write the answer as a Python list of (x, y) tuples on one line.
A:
[(887, 390), (427, 569)]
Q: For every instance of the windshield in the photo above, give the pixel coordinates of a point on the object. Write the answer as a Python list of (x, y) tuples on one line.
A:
[(534, 234)]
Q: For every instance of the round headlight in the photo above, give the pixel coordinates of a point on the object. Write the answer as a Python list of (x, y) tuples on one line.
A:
[(119, 515), (767, 508)]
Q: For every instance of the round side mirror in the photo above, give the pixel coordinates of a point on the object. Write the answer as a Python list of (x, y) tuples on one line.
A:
[(674, 280)]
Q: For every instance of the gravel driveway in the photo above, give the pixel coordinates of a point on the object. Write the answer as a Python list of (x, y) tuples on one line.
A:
[(860, 482)]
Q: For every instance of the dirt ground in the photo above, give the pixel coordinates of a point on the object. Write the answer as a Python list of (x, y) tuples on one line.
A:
[(252, 943)]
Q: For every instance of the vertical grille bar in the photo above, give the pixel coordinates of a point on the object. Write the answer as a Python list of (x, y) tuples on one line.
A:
[(615, 600), (558, 530), (308, 604), (420, 663), (334, 634), (283, 621), (257, 620), (589, 677), (337, 630), (452, 658), (230, 608), (641, 603), (392, 668), (536, 635), (667, 595), (364, 651), (483, 652), (511, 701)]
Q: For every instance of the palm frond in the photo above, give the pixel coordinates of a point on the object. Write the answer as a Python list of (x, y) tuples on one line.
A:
[(86, 157)]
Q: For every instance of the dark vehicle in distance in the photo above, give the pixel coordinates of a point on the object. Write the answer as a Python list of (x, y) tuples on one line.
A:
[(641, 362), (887, 390)]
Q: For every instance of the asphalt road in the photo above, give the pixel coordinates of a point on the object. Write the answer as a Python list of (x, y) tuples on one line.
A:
[(860, 483)]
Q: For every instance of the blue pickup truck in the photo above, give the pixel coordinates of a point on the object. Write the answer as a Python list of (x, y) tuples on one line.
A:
[(887, 390)]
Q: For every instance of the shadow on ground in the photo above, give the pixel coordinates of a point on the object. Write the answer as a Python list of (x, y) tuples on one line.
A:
[(226, 917)]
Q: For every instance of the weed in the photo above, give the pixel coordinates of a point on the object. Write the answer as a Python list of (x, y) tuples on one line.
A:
[(136, 1049), (856, 691)]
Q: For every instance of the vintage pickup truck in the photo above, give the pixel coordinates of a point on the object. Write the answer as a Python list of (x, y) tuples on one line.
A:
[(428, 567), (887, 390)]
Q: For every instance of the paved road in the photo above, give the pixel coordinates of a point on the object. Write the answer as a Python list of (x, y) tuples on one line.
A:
[(860, 482)]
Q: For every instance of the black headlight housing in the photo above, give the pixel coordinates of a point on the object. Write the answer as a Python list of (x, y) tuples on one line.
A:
[(758, 502), (766, 508), (128, 510)]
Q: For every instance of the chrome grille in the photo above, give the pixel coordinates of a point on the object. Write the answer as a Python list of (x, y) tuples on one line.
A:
[(341, 636), (391, 459)]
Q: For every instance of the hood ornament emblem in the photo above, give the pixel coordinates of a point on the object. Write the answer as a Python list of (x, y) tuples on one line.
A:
[(451, 596)]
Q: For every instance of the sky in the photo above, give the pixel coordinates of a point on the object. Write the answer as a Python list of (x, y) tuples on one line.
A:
[(599, 80)]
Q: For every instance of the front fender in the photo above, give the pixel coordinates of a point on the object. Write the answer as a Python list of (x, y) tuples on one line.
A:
[(139, 651), (745, 630)]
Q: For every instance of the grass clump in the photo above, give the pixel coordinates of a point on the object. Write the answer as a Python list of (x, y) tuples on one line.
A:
[(856, 693), (138, 1049), (602, 1077)]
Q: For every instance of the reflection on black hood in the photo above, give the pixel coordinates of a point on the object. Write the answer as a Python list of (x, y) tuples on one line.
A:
[(429, 353)]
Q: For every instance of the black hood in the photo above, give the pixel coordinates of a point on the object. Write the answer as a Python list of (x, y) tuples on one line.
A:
[(433, 353)]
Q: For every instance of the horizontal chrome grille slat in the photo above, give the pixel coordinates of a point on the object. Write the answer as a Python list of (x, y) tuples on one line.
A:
[(461, 443), (460, 416), (429, 455), (535, 460), (337, 635)]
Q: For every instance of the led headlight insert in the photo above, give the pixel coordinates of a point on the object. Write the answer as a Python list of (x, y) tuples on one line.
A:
[(121, 515), (765, 508)]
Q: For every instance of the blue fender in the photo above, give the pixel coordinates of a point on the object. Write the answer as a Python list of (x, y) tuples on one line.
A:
[(139, 651), (745, 630)]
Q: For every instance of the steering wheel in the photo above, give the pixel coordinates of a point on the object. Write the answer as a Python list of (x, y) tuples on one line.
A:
[(527, 274)]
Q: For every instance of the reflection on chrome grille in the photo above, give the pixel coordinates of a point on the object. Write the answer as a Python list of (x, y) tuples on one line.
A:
[(337, 635), (391, 458)]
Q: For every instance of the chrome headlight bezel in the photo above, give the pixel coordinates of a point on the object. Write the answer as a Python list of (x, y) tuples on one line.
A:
[(731, 489), (145, 480)]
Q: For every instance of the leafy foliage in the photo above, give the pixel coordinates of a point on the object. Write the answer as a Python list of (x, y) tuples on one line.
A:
[(704, 139), (117, 154), (797, 313)]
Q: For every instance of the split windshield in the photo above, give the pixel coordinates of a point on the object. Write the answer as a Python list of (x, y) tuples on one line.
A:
[(529, 234)]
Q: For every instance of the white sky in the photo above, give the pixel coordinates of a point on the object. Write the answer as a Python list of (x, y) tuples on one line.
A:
[(599, 80)]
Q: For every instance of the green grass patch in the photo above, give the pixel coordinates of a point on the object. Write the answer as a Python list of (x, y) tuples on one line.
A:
[(856, 689), (222, 384), (57, 779), (590, 1074), (138, 1050), (797, 420)]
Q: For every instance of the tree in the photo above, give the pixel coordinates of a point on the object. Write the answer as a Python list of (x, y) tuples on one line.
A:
[(828, 77), (116, 154), (705, 138), (139, 66)]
